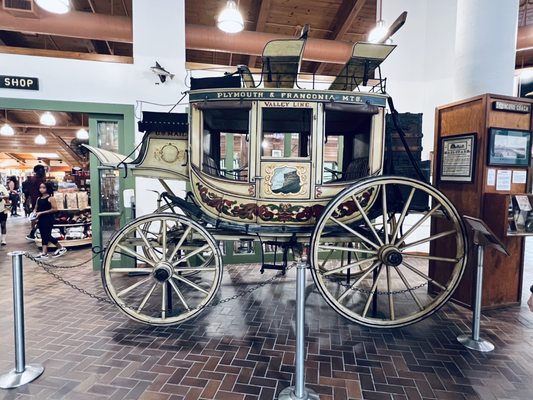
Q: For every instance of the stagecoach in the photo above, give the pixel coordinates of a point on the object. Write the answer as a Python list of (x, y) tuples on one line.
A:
[(305, 177)]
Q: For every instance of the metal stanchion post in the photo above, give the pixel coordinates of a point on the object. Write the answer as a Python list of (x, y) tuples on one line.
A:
[(475, 342), (299, 391), (22, 374)]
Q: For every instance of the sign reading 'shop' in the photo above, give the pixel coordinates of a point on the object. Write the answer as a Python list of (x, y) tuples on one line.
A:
[(19, 82)]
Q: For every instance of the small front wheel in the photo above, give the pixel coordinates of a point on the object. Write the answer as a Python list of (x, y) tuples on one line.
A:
[(148, 265)]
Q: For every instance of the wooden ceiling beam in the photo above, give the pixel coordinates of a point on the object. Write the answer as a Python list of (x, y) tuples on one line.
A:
[(346, 14), (16, 158), (260, 26), (66, 54), (67, 149)]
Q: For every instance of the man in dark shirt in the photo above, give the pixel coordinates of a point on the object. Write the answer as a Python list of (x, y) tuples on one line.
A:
[(31, 191)]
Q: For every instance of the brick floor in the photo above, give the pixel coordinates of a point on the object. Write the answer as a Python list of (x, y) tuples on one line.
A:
[(245, 349)]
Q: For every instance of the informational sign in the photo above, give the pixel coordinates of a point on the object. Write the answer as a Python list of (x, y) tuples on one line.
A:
[(503, 180), (19, 82), (491, 177), (457, 158), (519, 176)]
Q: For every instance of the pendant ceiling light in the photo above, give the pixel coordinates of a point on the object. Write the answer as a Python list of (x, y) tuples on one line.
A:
[(40, 139), (82, 134), (48, 119), (230, 19), (54, 6), (6, 129), (380, 30)]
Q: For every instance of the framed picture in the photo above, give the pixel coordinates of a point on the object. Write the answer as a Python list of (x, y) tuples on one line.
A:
[(510, 147), (456, 161)]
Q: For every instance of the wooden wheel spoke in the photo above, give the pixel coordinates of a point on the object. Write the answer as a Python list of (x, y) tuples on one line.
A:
[(429, 239), (358, 281), (411, 292), (194, 269), (391, 296), (354, 232), (403, 214), (128, 270), (136, 255), (432, 258), (149, 246), (326, 259), (164, 300), (419, 222), (351, 265), (192, 253), (180, 295), (341, 248), (385, 213), (134, 286), (420, 273), (146, 297), (191, 284), (365, 217), (164, 239), (180, 243), (372, 292)]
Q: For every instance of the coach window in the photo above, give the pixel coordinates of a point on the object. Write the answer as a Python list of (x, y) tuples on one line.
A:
[(225, 140), (347, 141), (286, 132)]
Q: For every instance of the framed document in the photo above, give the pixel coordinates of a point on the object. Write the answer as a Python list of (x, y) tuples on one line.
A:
[(457, 158), (510, 147)]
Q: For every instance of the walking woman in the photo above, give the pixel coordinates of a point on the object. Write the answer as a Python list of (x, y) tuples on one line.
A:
[(45, 209), (4, 198), (14, 196)]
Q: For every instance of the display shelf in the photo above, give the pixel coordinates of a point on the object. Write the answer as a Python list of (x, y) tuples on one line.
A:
[(73, 209), (69, 242), (77, 224)]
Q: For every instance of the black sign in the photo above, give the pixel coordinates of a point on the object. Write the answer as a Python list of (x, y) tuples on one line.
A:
[(19, 82), (511, 107)]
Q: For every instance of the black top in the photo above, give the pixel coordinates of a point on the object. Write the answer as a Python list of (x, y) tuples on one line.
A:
[(43, 204)]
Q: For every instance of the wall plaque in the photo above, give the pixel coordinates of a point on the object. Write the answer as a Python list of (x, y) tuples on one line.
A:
[(19, 82), (457, 158), (511, 107)]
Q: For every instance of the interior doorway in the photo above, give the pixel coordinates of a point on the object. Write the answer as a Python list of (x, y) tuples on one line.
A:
[(52, 133)]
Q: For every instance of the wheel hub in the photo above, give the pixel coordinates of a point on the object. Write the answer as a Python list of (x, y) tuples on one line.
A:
[(391, 256), (162, 272)]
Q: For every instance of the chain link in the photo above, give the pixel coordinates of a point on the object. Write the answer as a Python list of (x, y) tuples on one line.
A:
[(43, 264)]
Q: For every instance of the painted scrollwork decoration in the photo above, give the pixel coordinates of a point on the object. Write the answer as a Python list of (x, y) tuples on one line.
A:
[(168, 153)]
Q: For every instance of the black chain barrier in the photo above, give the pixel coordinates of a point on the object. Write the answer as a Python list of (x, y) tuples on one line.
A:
[(48, 268)]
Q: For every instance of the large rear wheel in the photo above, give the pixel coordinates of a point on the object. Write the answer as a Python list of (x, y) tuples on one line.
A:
[(386, 281)]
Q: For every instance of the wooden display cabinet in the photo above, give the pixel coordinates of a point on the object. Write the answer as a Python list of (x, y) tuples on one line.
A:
[(482, 197)]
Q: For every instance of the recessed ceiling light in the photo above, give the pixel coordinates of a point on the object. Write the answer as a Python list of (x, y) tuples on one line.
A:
[(45, 155), (54, 6)]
